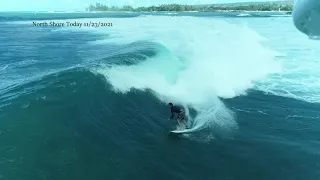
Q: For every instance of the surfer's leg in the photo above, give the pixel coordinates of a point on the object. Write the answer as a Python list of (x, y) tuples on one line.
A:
[(179, 122), (181, 115), (181, 119), (184, 122)]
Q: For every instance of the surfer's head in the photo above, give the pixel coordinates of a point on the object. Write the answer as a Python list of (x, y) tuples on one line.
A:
[(170, 105)]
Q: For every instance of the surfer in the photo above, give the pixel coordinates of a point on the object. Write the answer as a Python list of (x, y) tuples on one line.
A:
[(179, 111)]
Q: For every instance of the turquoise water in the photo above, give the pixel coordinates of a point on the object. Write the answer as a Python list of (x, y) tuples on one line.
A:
[(90, 103)]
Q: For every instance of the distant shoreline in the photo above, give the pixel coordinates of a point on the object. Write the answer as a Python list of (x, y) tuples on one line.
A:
[(121, 11), (241, 7), (188, 11)]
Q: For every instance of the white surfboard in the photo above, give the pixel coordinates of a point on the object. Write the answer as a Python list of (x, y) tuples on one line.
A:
[(182, 131), (178, 131)]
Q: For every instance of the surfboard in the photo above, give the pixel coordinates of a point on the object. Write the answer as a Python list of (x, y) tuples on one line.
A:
[(178, 131), (182, 131)]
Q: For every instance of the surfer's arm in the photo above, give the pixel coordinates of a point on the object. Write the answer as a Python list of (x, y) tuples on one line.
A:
[(172, 115)]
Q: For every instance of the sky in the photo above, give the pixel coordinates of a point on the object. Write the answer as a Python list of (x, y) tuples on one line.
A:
[(80, 5)]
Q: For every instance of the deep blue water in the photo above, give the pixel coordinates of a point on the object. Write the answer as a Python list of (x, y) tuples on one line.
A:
[(60, 120)]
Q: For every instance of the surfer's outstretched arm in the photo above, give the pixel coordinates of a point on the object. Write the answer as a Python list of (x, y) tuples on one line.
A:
[(172, 115)]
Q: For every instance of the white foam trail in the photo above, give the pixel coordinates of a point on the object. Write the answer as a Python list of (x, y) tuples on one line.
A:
[(201, 59)]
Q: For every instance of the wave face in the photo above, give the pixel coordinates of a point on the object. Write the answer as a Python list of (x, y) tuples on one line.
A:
[(79, 100), (194, 66)]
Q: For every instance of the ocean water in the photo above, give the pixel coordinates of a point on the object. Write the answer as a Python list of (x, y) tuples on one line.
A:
[(90, 102)]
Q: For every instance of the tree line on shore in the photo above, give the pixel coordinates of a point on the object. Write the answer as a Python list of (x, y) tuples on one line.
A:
[(203, 8)]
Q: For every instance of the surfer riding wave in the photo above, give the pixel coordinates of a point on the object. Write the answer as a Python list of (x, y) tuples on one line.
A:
[(180, 112)]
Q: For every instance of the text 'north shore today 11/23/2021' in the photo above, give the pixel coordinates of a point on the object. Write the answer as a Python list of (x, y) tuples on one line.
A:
[(72, 24)]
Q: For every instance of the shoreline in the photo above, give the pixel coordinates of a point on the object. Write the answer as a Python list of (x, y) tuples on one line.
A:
[(189, 11), (217, 11)]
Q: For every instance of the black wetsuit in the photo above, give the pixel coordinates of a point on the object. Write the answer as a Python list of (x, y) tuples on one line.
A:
[(178, 110)]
